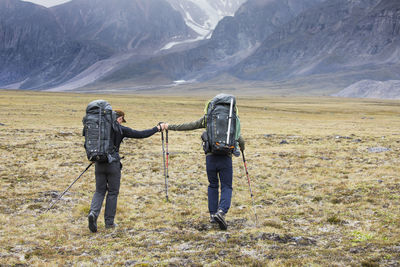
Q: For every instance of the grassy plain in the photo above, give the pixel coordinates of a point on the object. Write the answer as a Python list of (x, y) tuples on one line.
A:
[(322, 198)]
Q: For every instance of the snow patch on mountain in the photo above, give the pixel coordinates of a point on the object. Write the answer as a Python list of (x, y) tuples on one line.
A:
[(202, 16), (47, 3), (172, 44)]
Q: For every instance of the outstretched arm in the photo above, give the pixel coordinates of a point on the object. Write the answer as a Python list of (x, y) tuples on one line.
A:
[(130, 133), (200, 123)]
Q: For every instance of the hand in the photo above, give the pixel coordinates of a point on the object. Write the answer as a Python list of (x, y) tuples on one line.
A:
[(241, 145), (162, 126)]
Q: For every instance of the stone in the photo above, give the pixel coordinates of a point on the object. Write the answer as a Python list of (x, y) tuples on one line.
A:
[(378, 149)]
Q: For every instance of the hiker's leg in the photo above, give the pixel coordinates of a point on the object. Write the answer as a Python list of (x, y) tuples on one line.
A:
[(101, 188), (225, 175), (213, 184), (114, 181)]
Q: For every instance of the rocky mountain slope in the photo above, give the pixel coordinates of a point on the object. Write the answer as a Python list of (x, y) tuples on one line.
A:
[(372, 89), (43, 48), (76, 43), (126, 43), (203, 15), (330, 43), (123, 25), (234, 39), (34, 52), (355, 38)]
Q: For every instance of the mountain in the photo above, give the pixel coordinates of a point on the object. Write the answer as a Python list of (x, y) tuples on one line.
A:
[(234, 39), (44, 48), (203, 15), (346, 40), (123, 25), (76, 43), (34, 51), (254, 21), (324, 44), (372, 89)]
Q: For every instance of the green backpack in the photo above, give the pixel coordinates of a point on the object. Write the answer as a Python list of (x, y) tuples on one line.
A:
[(222, 124)]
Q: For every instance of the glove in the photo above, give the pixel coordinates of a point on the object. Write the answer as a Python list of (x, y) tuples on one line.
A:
[(241, 145)]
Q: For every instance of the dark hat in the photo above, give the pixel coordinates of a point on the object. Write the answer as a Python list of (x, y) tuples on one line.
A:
[(120, 113)]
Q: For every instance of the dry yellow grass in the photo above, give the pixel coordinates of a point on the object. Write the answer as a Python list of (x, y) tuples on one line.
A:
[(322, 198)]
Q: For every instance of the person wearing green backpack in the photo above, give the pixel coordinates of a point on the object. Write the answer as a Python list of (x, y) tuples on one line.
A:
[(220, 140)]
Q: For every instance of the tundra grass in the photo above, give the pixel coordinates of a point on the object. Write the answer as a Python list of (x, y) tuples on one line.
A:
[(324, 173)]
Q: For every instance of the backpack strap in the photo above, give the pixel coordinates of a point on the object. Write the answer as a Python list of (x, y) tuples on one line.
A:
[(206, 112)]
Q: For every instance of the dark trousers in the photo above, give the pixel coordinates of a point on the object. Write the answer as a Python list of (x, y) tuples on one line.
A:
[(219, 169), (108, 179)]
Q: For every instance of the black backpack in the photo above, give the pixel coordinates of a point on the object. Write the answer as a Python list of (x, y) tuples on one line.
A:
[(99, 126), (223, 125)]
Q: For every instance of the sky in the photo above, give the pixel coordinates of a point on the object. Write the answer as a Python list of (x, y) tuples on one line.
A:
[(47, 3)]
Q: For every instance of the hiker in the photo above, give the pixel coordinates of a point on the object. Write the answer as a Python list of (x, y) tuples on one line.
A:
[(218, 164), (108, 174)]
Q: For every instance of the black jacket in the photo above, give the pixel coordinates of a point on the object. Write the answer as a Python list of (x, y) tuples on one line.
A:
[(130, 133)]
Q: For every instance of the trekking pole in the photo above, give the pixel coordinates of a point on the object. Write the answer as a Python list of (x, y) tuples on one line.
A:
[(59, 197), (167, 176), (165, 169), (248, 181)]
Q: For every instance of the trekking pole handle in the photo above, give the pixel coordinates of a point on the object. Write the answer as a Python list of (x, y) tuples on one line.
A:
[(159, 124)]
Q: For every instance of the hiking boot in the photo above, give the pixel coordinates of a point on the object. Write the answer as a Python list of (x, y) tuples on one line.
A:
[(212, 219), (111, 226), (92, 222), (220, 219)]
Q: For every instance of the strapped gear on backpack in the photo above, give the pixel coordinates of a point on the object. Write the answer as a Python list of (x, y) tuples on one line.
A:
[(99, 125), (223, 125)]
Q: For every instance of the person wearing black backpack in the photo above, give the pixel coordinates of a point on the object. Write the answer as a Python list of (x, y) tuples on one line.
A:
[(108, 173), (219, 145)]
